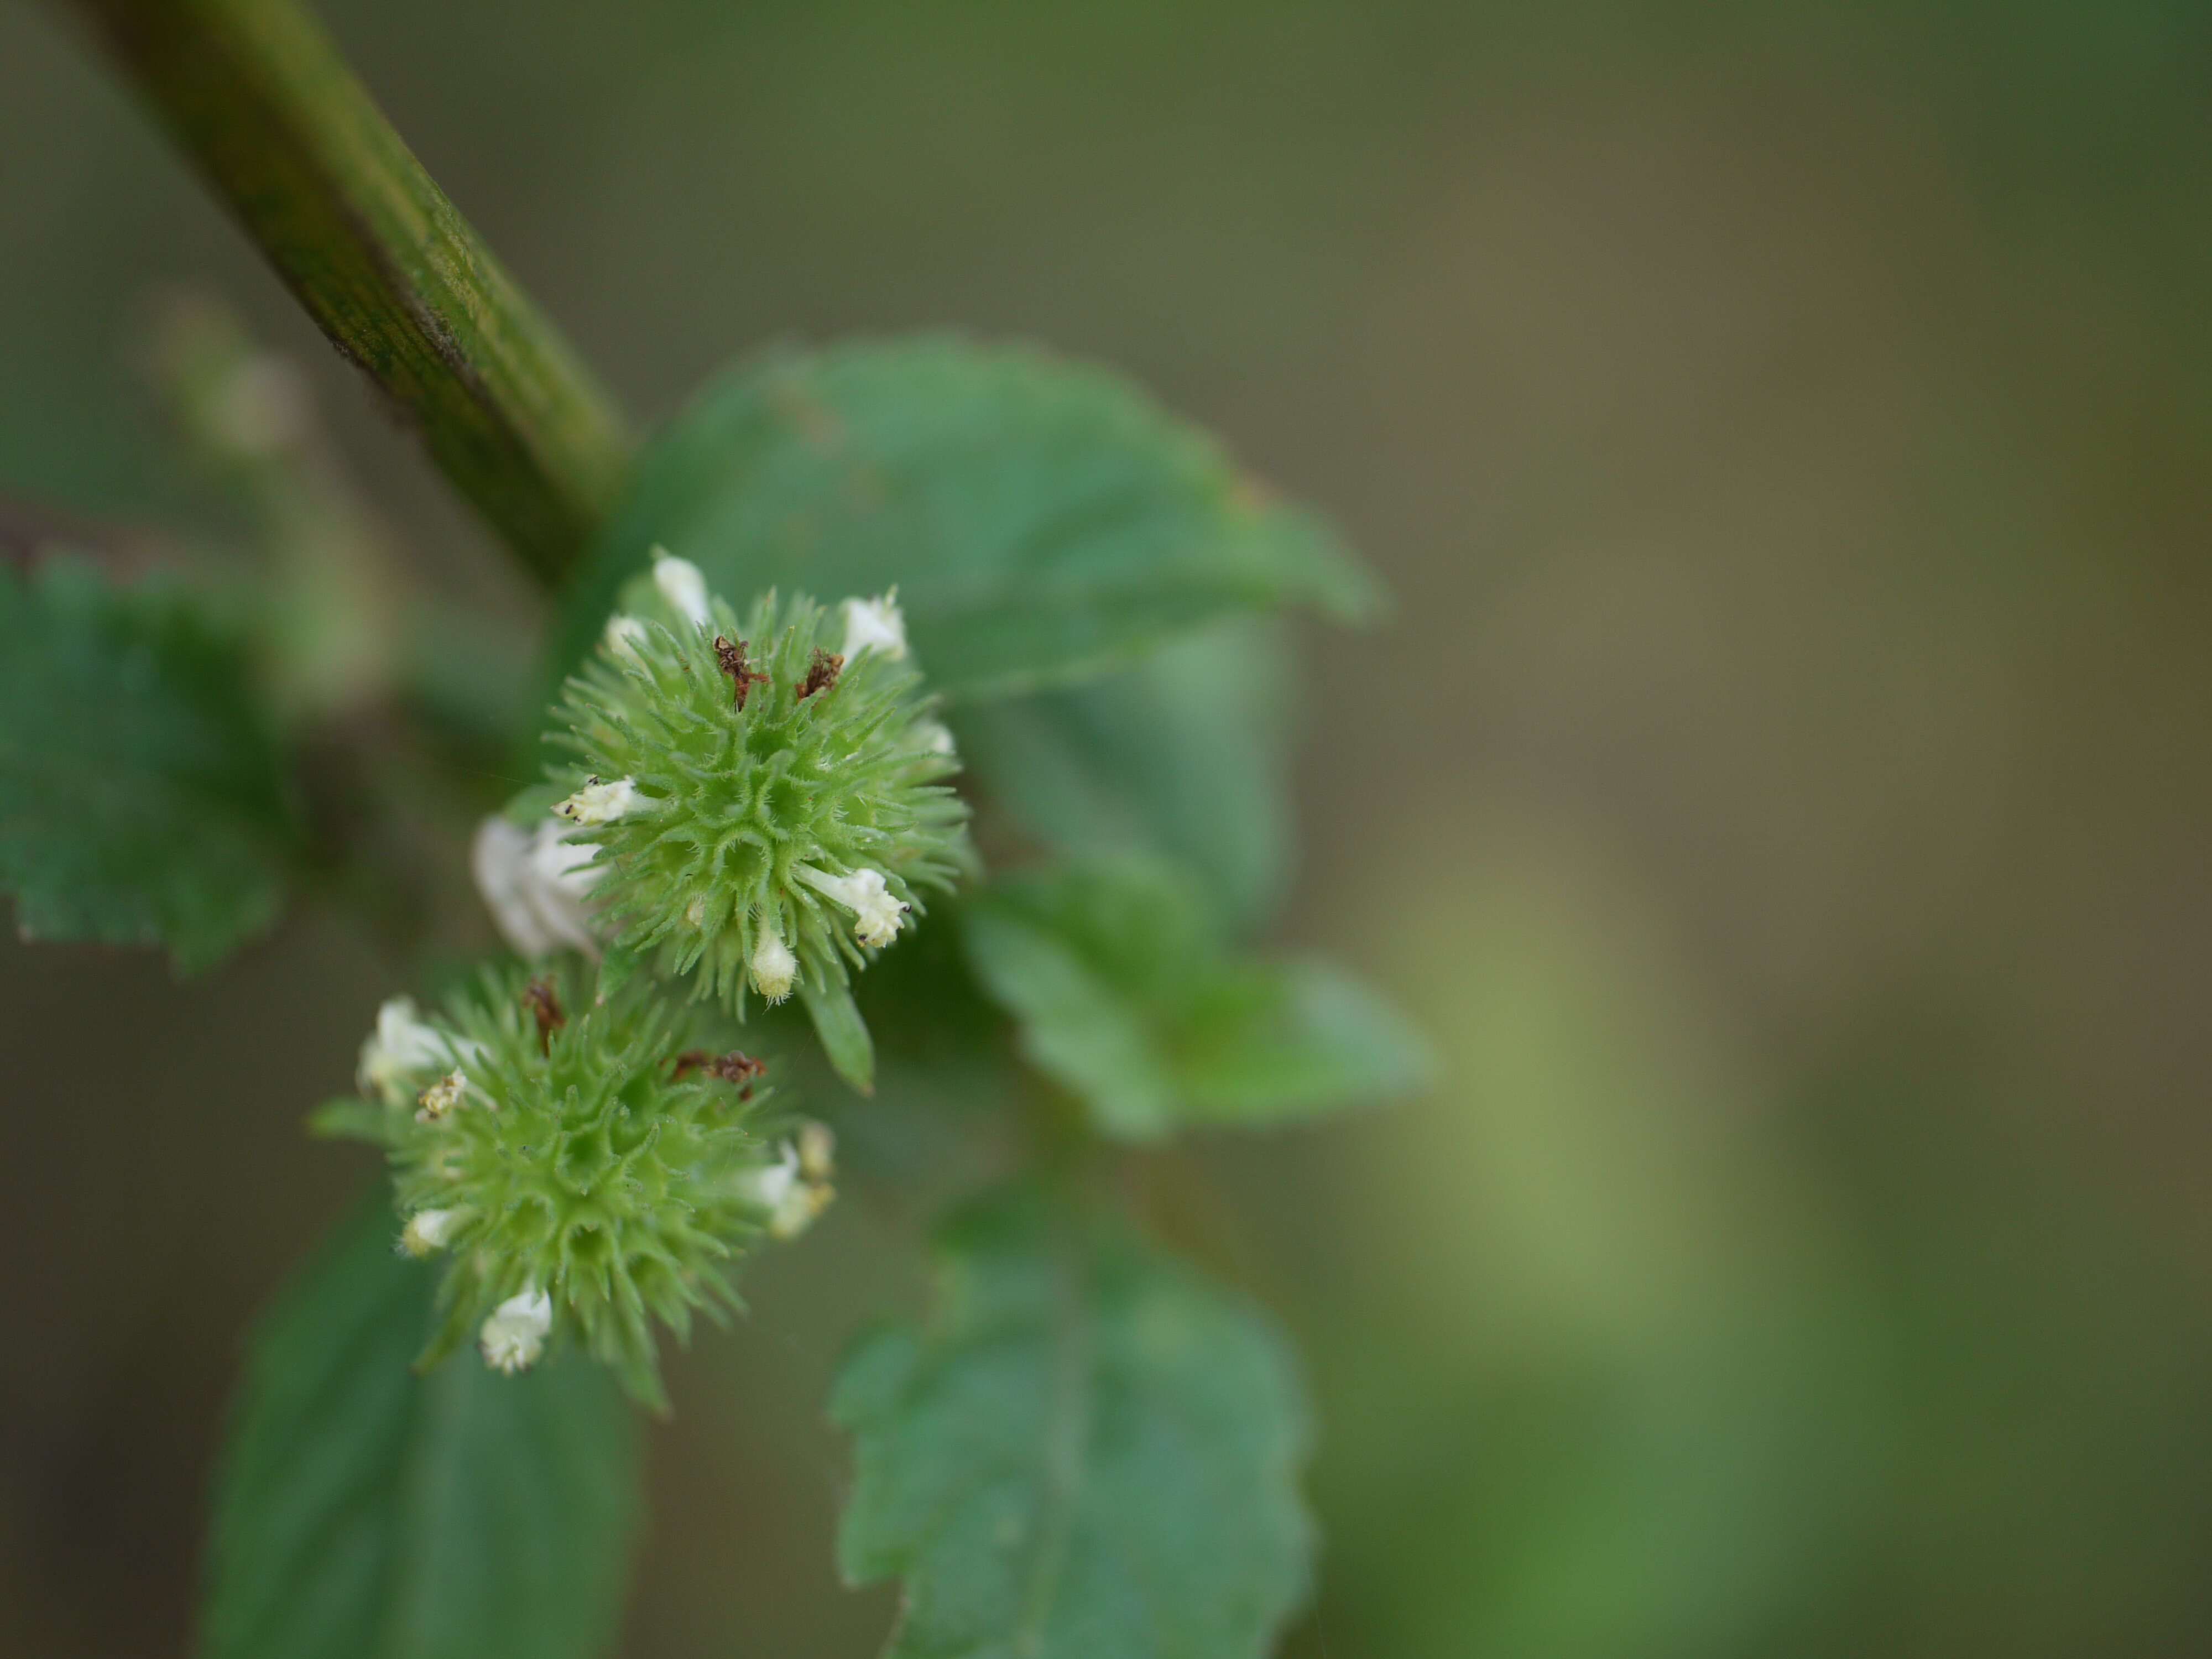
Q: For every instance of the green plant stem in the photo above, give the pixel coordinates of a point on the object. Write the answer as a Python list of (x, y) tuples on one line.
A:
[(257, 94)]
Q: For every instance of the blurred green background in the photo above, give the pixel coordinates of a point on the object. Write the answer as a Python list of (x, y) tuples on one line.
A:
[(1783, 793)]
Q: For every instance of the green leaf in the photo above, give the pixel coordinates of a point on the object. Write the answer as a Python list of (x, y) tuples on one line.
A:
[(1043, 521), (350, 1119), (1126, 996), (142, 800), (1265, 1043), (1091, 1453), (1187, 755), (844, 1034), (365, 1512)]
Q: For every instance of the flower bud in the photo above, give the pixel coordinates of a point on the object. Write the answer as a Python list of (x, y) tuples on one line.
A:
[(818, 1150), (874, 625), (682, 586), (428, 1231), (625, 634), (515, 1334), (773, 968)]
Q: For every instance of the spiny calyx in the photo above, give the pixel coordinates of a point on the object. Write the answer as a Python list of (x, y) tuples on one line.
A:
[(589, 1168), (767, 810)]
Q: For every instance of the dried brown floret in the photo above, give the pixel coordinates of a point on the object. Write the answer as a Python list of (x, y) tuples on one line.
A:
[(733, 1068), (542, 1001), (820, 673), (743, 675)]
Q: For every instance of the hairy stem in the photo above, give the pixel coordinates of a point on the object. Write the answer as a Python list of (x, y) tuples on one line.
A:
[(255, 93)]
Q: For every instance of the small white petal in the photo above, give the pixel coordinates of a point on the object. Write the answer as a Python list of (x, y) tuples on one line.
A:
[(402, 1050), (818, 1150), (537, 882), (771, 1184), (500, 860), (515, 1335), (681, 585), (934, 736), (626, 636), (402, 1035), (874, 625), (774, 969), (428, 1231), (601, 803), (792, 1196), (560, 860)]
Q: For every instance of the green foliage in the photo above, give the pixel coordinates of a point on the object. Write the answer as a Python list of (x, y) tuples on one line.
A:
[(142, 800), (843, 1032), (1185, 755), (761, 818), (1091, 1453), (1126, 996), (365, 1512), (1043, 521)]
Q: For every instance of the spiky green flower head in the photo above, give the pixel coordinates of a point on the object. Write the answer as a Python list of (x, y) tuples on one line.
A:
[(585, 1165), (767, 794)]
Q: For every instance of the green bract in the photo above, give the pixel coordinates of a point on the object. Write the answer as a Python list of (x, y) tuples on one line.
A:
[(582, 1165), (767, 795)]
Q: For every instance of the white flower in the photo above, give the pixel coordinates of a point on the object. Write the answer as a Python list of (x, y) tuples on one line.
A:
[(772, 1183), (626, 636), (515, 1335), (402, 1047), (428, 1231), (404, 1050), (875, 910), (681, 585), (601, 803), (536, 884), (932, 737), (874, 625), (795, 1188), (773, 966)]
